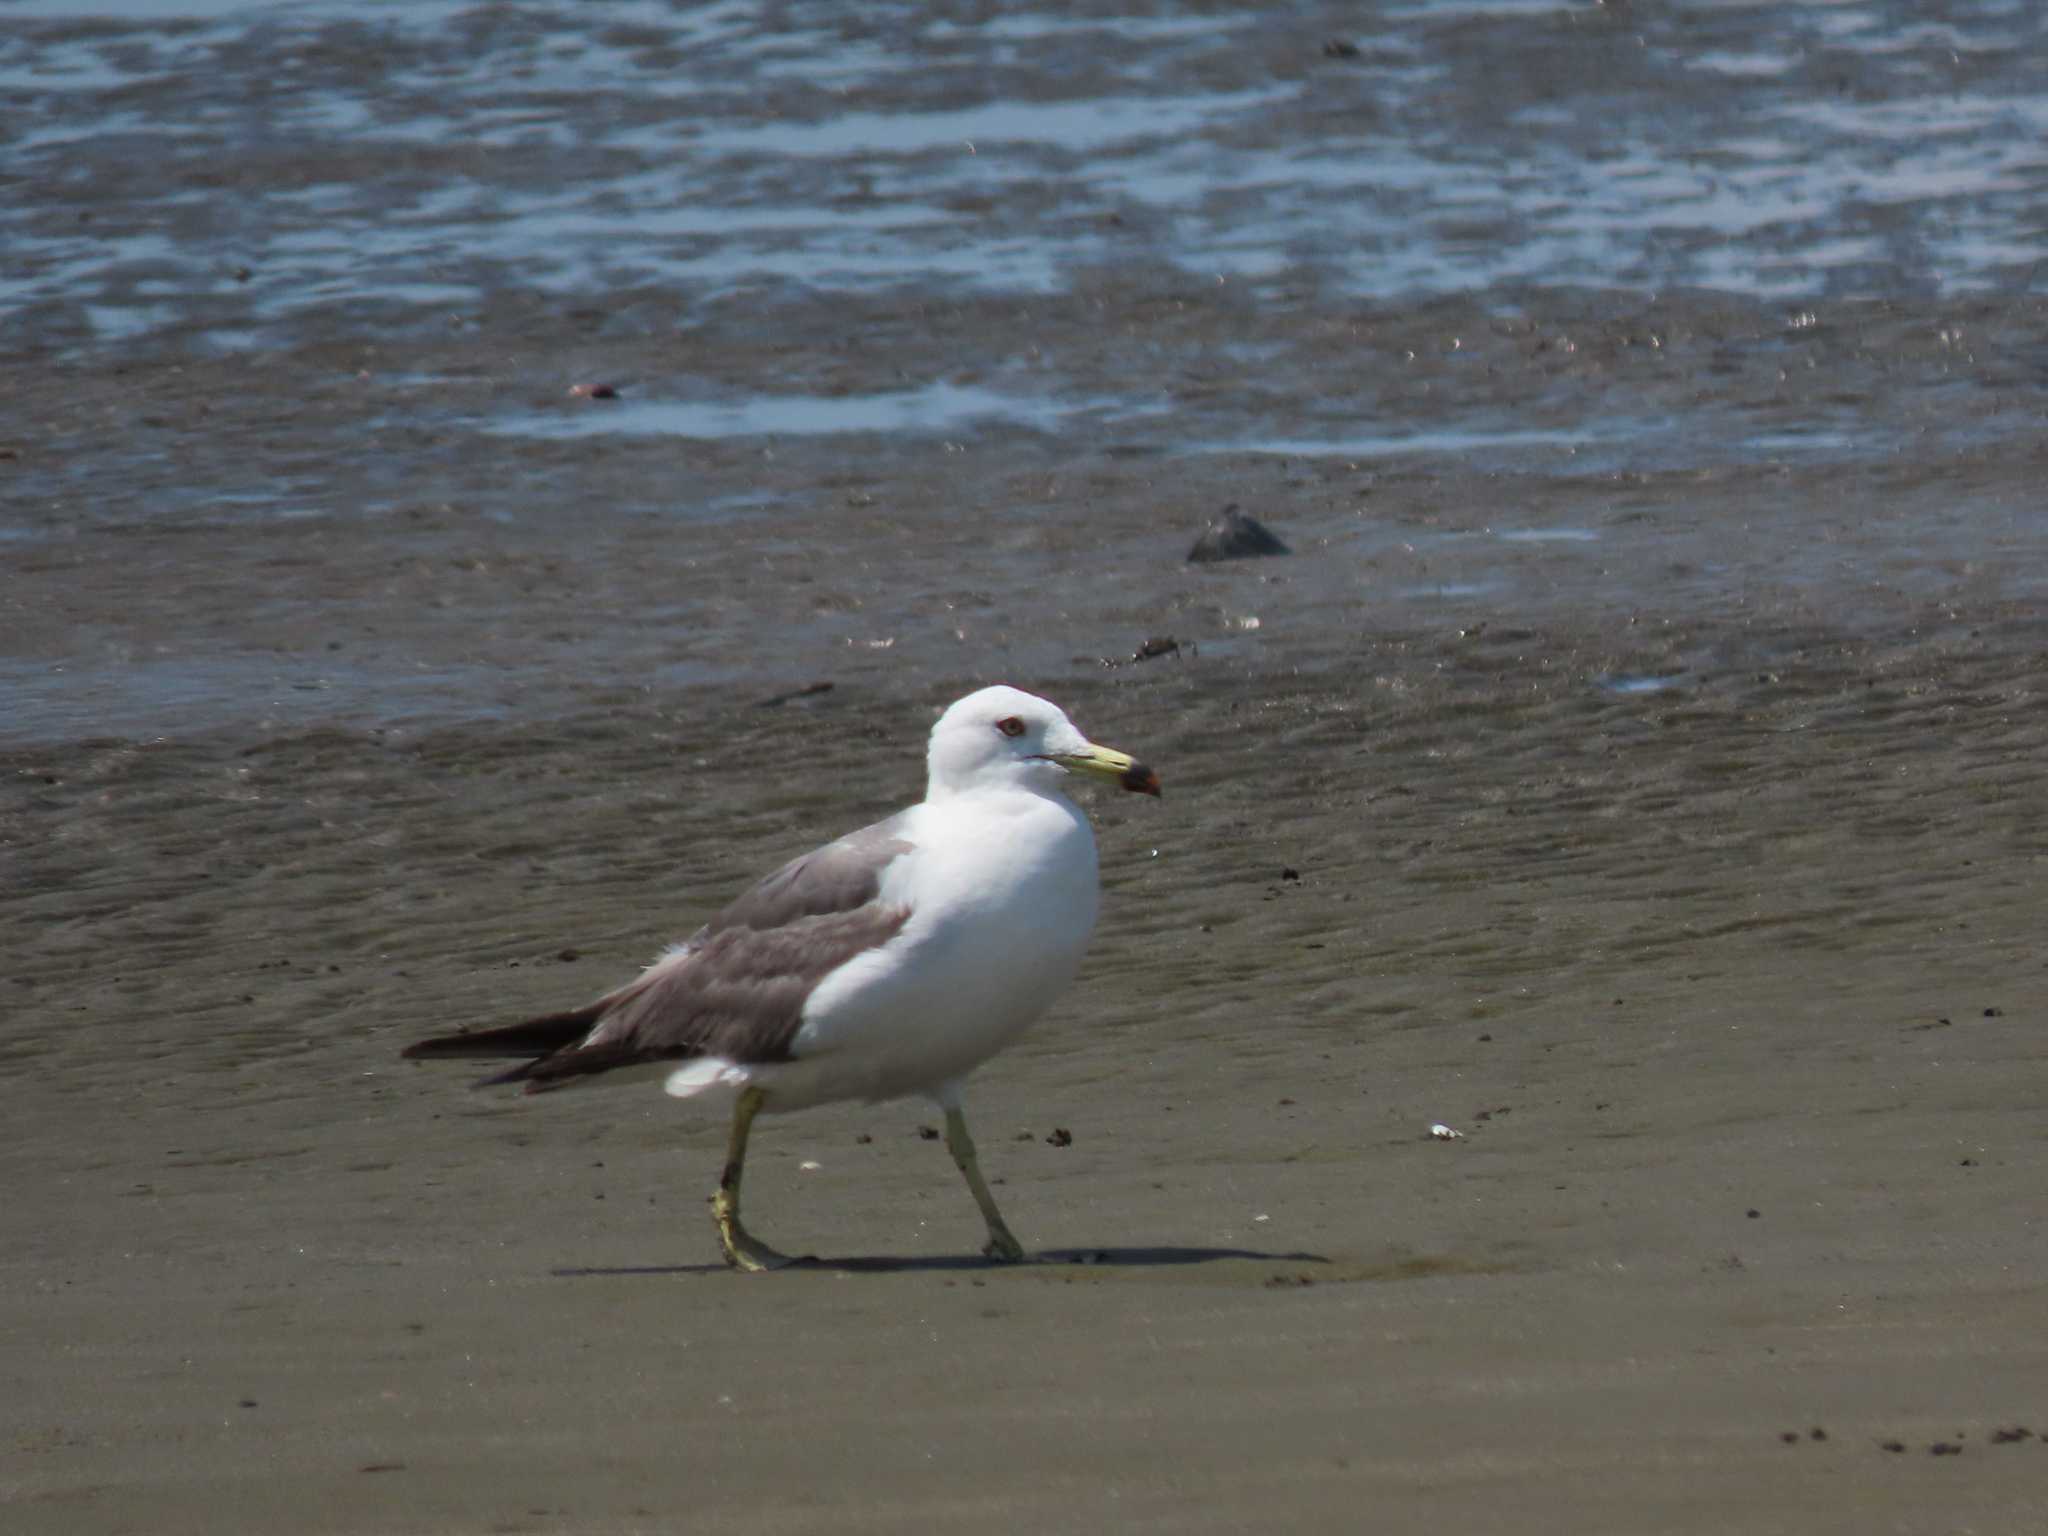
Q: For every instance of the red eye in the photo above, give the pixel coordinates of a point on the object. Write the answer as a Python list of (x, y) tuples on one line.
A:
[(1011, 726)]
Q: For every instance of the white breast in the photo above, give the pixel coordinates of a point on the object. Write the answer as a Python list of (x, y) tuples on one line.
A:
[(1002, 891)]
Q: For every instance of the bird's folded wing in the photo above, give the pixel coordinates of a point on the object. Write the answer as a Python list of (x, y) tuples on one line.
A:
[(735, 989)]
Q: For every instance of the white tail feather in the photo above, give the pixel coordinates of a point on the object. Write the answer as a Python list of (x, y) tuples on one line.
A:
[(702, 1075)]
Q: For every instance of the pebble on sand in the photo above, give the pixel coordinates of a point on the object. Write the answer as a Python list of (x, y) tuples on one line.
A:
[(1234, 536)]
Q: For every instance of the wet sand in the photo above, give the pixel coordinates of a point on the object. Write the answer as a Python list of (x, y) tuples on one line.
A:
[(1637, 766), (1711, 921)]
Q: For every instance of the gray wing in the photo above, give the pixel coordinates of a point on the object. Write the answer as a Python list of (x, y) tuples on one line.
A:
[(840, 878), (736, 988)]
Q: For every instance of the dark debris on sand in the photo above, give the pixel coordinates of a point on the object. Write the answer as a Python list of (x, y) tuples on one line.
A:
[(1236, 536)]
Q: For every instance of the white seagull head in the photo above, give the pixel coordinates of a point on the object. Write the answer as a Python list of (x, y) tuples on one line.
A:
[(1006, 738)]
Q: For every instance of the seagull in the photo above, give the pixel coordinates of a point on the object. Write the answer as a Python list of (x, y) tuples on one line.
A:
[(891, 962)]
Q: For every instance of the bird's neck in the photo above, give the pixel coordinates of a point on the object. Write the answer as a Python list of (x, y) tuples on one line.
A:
[(1022, 787)]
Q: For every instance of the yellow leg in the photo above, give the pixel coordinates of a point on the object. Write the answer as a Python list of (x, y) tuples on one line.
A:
[(1001, 1244), (742, 1250)]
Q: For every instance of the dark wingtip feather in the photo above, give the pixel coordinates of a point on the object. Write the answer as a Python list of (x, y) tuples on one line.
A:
[(535, 1037)]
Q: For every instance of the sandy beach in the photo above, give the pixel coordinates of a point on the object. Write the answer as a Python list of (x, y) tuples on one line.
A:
[(1735, 996), (1637, 766)]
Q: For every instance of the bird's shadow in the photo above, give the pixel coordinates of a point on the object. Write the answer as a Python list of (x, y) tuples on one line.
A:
[(952, 1263)]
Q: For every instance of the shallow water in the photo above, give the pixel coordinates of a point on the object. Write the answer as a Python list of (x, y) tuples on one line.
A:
[(296, 296), (430, 153), (931, 408)]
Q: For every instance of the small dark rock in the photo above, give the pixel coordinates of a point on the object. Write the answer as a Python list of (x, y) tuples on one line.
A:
[(1060, 1137), (568, 955), (927, 1133), (1944, 1448), (1896, 1447), (1816, 1433), (1339, 48), (1752, 1213), (1789, 1436), (595, 391), (1994, 1013), (1290, 874), (863, 1139), (2011, 1436), (1234, 536), (1150, 650)]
